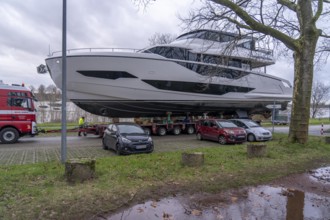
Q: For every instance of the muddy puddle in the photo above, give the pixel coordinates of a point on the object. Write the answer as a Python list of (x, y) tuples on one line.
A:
[(262, 202)]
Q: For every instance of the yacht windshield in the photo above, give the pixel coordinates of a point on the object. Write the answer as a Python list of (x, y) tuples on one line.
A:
[(209, 35)]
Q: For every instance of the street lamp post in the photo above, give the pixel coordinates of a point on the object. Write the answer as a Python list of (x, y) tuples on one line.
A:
[(63, 121)]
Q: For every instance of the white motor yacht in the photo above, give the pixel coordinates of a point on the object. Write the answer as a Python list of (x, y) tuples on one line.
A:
[(203, 71)]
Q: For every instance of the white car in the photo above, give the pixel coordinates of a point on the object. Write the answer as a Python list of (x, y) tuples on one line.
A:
[(254, 131)]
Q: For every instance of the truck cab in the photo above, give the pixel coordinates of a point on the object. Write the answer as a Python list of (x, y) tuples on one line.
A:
[(17, 113)]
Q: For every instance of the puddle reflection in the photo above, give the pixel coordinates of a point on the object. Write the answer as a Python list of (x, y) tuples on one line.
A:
[(322, 174), (262, 202)]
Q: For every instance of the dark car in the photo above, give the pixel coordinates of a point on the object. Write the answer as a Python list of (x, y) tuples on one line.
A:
[(220, 130), (127, 138)]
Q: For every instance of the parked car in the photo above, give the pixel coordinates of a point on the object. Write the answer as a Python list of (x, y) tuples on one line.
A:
[(254, 131), (280, 122), (220, 130), (127, 138)]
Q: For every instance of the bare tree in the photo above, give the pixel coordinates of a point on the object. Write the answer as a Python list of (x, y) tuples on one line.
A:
[(41, 93), (320, 94), (299, 25), (158, 38), (53, 95)]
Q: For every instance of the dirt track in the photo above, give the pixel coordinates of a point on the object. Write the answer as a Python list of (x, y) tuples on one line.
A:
[(42, 149)]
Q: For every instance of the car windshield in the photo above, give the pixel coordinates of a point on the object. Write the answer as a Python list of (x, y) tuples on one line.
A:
[(251, 124), (130, 129), (226, 124)]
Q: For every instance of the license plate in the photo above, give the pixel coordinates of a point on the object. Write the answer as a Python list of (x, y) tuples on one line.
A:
[(141, 146)]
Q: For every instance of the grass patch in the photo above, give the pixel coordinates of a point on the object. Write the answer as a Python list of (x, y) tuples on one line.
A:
[(39, 191)]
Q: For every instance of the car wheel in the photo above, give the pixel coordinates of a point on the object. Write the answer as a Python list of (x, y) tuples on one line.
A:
[(147, 131), (9, 135), (118, 152), (199, 136), (176, 130), (190, 130), (251, 138), (104, 146), (161, 131), (151, 150), (222, 140)]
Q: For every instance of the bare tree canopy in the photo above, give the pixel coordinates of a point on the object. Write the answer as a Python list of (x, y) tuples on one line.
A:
[(300, 25), (320, 94), (158, 38)]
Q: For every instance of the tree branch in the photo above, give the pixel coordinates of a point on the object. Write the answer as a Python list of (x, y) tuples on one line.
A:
[(319, 11), (253, 24), (290, 5)]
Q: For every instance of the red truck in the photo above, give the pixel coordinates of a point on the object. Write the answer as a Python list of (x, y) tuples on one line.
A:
[(17, 113)]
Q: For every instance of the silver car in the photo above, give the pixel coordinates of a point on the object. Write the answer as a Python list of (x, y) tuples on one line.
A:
[(254, 131)]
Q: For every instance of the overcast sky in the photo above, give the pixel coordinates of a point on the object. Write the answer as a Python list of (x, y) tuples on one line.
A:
[(30, 28)]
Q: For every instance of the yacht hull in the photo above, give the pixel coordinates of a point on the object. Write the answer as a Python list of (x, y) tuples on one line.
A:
[(146, 85)]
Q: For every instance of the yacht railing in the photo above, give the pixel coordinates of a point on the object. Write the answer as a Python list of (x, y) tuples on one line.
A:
[(91, 50), (262, 53)]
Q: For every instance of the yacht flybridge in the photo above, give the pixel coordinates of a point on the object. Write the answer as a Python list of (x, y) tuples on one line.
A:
[(202, 71)]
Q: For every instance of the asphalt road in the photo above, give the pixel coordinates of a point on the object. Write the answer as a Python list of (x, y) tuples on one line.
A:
[(313, 129), (43, 149)]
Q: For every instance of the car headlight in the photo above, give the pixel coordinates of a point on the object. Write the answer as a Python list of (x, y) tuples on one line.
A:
[(125, 140), (229, 131), (149, 139)]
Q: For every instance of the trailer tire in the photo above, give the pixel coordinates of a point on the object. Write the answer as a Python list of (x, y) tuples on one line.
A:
[(161, 131), (9, 135), (190, 130), (176, 130)]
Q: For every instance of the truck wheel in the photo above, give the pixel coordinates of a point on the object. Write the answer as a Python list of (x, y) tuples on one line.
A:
[(176, 130), (147, 131), (9, 135), (161, 131), (190, 130)]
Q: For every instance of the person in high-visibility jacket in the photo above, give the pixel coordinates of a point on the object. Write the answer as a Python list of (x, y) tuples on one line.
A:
[(81, 124)]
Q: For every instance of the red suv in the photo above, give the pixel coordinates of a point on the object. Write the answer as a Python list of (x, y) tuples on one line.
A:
[(220, 130)]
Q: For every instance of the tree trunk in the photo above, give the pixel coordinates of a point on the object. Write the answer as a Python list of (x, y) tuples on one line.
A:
[(195, 159), (79, 169), (303, 79), (256, 150)]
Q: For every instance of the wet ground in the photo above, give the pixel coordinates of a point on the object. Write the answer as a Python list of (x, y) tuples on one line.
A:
[(303, 196)]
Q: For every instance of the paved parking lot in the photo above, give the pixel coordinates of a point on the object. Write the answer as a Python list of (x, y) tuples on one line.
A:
[(43, 149)]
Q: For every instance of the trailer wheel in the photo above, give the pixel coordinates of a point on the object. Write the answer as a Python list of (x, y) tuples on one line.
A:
[(176, 130), (190, 130), (9, 135), (161, 131)]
